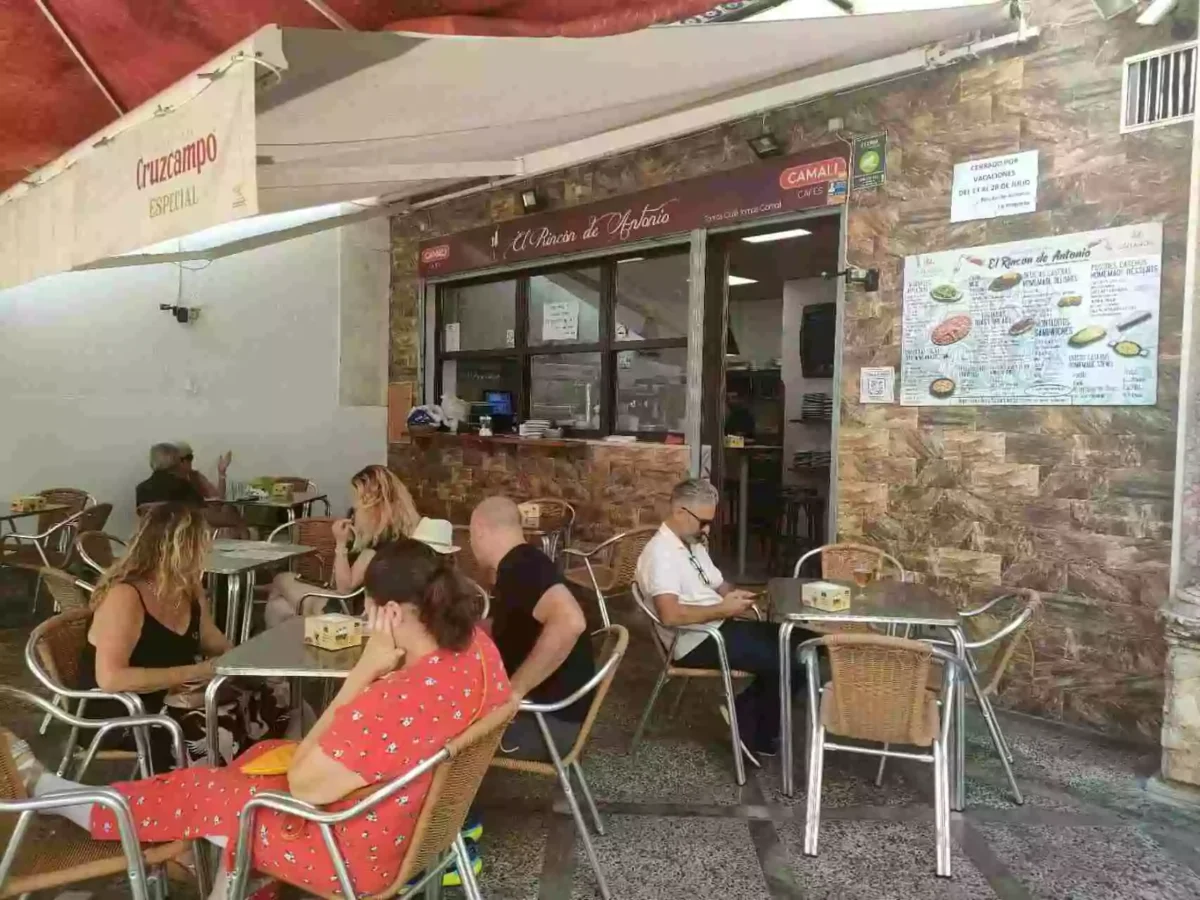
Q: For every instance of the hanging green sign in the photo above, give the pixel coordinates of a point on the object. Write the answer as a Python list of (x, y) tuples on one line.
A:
[(870, 162)]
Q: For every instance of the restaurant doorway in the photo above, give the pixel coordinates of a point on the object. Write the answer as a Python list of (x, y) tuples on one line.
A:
[(770, 391)]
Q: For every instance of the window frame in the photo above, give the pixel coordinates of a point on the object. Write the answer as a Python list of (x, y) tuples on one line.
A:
[(608, 346)]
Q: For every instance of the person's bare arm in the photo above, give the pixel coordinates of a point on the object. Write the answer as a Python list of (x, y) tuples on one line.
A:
[(206, 487), (346, 577), (675, 614), (212, 640), (116, 626), (562, 623)]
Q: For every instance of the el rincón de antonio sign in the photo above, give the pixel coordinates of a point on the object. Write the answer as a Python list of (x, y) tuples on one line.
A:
[(808, 180)]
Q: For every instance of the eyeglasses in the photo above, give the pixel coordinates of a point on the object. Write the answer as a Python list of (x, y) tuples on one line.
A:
[(187, 458), (703, 523)]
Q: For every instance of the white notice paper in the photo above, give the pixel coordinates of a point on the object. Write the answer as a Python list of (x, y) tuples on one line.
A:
[(877, 384), (990, 188), (451, 342), (1069, 320), (560, 320)]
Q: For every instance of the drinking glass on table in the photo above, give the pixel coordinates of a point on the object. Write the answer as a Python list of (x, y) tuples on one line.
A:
[(864, 574)]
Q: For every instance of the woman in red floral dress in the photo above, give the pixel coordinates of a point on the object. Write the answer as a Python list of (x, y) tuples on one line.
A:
[(426, 673)]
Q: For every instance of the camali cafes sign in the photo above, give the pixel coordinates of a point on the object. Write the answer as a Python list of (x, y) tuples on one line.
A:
[(809, 180)]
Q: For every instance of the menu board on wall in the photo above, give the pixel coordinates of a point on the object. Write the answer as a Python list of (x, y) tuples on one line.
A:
[(1060, 321)]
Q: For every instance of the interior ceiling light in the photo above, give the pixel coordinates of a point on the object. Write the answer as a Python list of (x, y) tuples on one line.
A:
[(777, 236), (735, 280), (631, 259)]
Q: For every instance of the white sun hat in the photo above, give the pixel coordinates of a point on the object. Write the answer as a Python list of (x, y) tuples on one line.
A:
[(437, 534)]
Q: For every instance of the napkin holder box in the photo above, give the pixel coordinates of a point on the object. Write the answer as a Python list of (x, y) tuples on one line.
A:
[(281, 490), (333, 631), (826, 596), (31, 503), (531, 514)]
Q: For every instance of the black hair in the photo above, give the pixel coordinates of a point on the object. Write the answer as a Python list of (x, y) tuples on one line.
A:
[(407, 571)]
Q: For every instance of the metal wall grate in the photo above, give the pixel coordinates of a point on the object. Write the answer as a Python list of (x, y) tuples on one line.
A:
[(1159, 88)]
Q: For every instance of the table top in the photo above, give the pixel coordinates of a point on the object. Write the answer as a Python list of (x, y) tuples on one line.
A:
[(232, 557), (880, 602), (297, 499), (282, 653), (7, 513)]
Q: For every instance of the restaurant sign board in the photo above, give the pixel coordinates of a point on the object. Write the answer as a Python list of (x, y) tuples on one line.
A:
[(809, 180)]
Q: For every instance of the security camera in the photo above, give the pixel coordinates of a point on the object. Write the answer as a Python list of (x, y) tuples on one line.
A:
[(183, 314)]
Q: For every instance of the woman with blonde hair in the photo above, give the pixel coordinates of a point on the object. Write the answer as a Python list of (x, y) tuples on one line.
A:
[(152, 634), (383, 511)]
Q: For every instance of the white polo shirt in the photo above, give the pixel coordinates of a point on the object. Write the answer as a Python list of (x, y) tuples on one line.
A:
[(669, 566)]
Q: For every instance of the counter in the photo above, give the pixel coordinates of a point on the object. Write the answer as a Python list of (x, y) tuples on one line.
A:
[(613, 487)]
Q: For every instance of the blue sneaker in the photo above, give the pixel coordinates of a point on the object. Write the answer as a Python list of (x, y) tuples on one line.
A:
[(472, 828)]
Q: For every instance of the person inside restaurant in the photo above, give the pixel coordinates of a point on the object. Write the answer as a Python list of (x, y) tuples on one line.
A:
[(383, 510), (152, 634), (426, 674), (677, 575), (207, 489), (537, 624), (168, 482)]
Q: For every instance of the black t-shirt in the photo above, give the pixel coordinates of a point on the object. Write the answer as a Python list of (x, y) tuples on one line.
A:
[(522, 577), (163, 487)]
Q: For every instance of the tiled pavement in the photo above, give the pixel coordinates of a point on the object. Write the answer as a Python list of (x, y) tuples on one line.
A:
[(678, 826)]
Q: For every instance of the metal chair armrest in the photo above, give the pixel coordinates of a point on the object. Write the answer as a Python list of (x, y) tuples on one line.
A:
[(968, 613), (334, 595), (585, 689), (1018, 621)]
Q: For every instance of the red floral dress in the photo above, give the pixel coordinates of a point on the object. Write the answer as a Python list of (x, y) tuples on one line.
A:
[(399, 720)]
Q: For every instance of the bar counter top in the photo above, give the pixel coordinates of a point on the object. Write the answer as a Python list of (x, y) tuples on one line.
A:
[(545, 443)]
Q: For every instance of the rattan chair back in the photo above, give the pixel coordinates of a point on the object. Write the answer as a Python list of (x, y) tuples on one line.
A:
[(316, 531), (625, 556), (554, 514), (466, 560), (453, 789), (993, 661), (297, 483), (65, 589), (840, 562), (878, 690), (58, 645), (614, 644), (74, 499)]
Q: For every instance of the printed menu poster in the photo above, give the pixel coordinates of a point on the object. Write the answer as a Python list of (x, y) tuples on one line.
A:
[(1061, 321)]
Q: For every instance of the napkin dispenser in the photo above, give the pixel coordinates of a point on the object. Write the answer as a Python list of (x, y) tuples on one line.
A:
[(825, 595), (531, 514), (282, 490), (28, 503), (333, 631)]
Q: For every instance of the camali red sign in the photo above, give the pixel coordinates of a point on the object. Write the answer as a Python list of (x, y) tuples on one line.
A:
[(808, 180)]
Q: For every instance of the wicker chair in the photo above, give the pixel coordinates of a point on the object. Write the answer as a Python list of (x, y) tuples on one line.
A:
[(616, 640), (458, 770), (841, 561), (878, 693), (992, 643), (671, 670), (43, 853), (555, 520), (95, 548), (52, 655), (74, 499), (50, 548), (67, 591), (609, 568)]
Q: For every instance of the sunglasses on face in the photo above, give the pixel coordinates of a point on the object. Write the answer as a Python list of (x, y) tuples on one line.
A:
[(703, 523), (187, 458)]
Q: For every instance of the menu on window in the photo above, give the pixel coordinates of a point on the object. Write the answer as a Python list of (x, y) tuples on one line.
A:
[(1070, 320)]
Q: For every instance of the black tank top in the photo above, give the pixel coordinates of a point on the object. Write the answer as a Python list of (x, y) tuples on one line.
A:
[(157, 647)]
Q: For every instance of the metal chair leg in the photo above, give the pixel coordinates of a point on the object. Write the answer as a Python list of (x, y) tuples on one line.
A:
[(57, 700), (72, 743), (580, 825), (993, 724), (683, 683), (465, 871), (812, 801), (587, 796), (882, 763), (941, 812), (433, 887), (641, 726), (739, 764)]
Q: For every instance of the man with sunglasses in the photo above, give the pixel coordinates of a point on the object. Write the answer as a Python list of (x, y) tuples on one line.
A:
[(677, 575)]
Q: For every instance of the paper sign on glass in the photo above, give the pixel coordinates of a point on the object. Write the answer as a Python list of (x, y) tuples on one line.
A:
[(990, 188), (451, 341), (877, 384), (560, 320)]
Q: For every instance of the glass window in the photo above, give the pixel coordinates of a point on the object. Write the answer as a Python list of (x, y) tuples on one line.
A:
[(652, 390), (479, 316), (652, 298), (564, 308), (565, 388), (468, 379)]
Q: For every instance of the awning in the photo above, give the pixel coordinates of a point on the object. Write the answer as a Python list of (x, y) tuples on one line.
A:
[(295, 118)]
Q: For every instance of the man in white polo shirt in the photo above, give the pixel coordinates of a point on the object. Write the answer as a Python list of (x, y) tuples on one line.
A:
[(677, 575)]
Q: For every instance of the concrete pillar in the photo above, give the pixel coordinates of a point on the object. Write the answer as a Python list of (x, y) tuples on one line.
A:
[(1181, 707)]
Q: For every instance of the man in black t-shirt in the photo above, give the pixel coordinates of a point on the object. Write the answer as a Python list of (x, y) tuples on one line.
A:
[(167, 484), (538, 627)]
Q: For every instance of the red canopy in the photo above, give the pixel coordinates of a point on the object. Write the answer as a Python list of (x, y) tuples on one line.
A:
[(49, 103)]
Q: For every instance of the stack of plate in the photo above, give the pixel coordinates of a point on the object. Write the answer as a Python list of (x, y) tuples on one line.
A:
[(810, 459), (817, 407), (534, 428)]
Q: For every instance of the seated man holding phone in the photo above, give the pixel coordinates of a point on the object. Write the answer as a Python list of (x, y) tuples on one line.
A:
[(676, 574)]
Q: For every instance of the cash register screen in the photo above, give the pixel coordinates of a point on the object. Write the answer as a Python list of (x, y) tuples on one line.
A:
[(501, 402)]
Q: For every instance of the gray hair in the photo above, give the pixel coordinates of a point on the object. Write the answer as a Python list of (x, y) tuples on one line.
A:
[(164, 457), (694, 491)]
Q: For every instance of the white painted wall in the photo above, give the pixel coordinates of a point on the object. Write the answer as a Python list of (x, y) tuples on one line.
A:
[(92, 373)]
